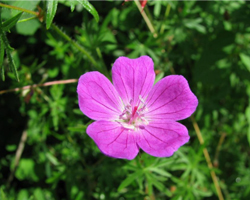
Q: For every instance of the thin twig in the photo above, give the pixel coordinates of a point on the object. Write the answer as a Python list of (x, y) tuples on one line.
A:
[(40, 85), (216, 157), (207, 157), (18, 155)]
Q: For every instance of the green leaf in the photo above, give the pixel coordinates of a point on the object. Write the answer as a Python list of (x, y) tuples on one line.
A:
[(248, 119), (129, 180), (23, 194), (159, 171), (89, 8), (7, 25), (51, 11), (8, 53), (28, 27), (2, 57), (72, 6), (52, 158), (2, 196), (79, 128), (195, 24), (246, 60), (26, 170)]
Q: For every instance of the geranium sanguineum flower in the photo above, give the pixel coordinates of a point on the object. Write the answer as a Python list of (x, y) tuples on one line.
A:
[(133, 113)]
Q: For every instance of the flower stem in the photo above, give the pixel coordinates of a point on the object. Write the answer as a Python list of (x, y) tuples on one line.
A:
[(146, 19), (208, 159)]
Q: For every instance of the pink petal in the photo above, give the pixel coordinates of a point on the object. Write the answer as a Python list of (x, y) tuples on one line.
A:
[(98, 98), (133, 77), (163, 138), (113, 140), (171, 98)]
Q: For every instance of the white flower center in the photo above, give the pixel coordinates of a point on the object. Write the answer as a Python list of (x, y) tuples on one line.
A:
[(133, 115)]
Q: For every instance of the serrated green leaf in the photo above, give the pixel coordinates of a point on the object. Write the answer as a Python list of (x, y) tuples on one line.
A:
[(11, 22), (246, 60), (51, 11), (89, 8), (129, 180)]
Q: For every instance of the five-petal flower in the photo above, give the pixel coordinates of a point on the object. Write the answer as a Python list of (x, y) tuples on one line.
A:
[(133, 113)]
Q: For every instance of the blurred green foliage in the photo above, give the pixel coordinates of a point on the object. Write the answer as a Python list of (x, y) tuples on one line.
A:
[(206, 41)]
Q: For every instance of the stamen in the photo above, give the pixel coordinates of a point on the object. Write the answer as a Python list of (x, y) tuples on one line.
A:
[(133, 116)]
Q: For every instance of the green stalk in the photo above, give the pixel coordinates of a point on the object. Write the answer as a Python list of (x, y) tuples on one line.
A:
[(18, 8), (80, 48)]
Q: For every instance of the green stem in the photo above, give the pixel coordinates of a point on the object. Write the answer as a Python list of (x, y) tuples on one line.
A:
[(146, 19), (20, 9), (105, 70), (1, 48), (1, 57), (78, 47), (27, 19)]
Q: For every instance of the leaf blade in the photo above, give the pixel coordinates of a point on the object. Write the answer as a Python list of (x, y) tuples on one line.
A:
[(89, 8), (129, 180), (8, 54), (2, 57), (51, 11), (245, 60), (11, 22)]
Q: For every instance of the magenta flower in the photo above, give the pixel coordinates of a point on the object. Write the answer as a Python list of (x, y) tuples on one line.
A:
[(133, 113)]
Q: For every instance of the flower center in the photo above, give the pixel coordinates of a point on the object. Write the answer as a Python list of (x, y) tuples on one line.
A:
[(133, 115)]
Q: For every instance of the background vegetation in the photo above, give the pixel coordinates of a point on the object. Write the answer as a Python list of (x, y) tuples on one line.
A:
[(45, 153)]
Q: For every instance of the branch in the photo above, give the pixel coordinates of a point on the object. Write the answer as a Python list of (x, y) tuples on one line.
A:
[(40, 85), (18, 155)]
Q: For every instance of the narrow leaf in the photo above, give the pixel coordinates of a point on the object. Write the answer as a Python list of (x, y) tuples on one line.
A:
[(51, 11), (3, 196), (129, 180), (7, 25), (246, 60), (72, 5), (89, 8), (8, 53), (2, 57), (159, 171), (248, 119)]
